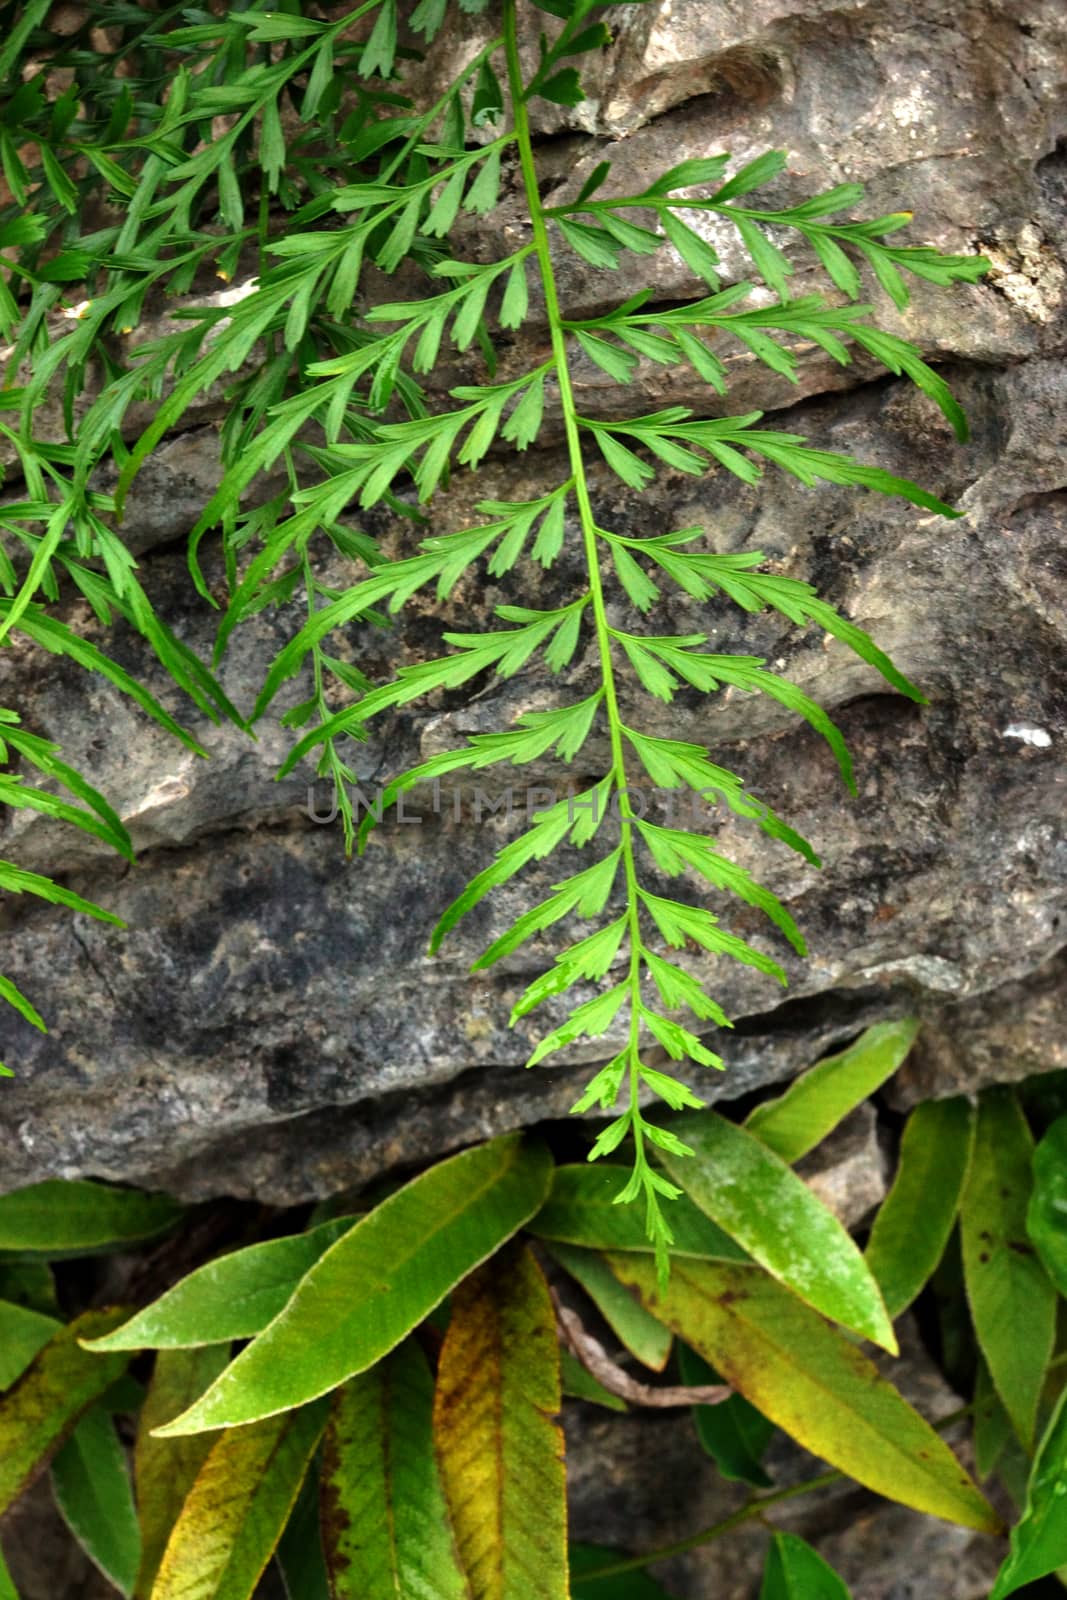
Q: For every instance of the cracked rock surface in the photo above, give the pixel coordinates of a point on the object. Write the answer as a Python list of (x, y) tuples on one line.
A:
[(270, 1025)]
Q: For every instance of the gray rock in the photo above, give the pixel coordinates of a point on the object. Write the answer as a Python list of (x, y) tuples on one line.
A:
[(270, 1024)]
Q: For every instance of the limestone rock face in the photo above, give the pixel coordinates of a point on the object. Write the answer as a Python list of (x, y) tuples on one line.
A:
[(270, 1024)]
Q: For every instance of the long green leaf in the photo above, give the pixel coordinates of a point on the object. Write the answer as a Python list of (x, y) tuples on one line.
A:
[(44, 1406), (235, 1297), (916, 1218), (500, 1447), (817, 1101), (1046, 1217), (812, 1381), (1039, 1541), (379, 1281), (642, 1335), (235, 1511), (91, 1484), (760, 1202), (384, 1518), (164, 1470), (795, 1571), (581, 1210), (1012, 1302), (73, 1217)]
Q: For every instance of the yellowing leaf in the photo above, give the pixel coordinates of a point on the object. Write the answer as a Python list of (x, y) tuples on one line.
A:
[(164, 1469), (760, 1202), (236, 1509), (913, 1225), (500, 1447), (386, 1529), (44, 1406), (379, 1281), (817, 1101), (1012, 1302), (22, 1333), (812, 1381)]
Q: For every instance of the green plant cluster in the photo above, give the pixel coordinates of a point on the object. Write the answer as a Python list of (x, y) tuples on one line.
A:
[(149, 153), (367, 1396)]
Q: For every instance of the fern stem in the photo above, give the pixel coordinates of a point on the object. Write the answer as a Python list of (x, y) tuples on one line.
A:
[(543, 253)]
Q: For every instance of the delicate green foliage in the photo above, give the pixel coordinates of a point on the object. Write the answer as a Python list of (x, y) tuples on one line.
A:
[(276, 153), (917, 1216), (318, 168), (581, 1210)]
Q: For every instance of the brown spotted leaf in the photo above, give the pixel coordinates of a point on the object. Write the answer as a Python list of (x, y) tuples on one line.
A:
[(43, 1407), (234, 1514), (164, 1469), (500, 1446), (385, 1524)]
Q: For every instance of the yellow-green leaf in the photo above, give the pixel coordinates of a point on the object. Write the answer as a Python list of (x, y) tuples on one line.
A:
[(817, 1101), (74, 1217), (40, 1411), (379, 1281), (22, 1333), (750, 1192), (386, 1529), (1012, 1302), (642, 1335), (812, 1381), (164, 1469), (234, 1513), (500, 1447), (581, 1210), (913, 1226)]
